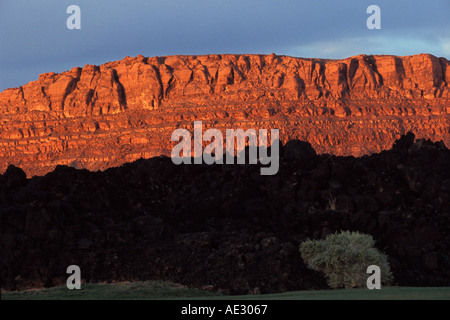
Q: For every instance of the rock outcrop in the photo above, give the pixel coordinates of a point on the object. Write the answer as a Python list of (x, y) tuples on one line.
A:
[(96, 117), (227, 227)]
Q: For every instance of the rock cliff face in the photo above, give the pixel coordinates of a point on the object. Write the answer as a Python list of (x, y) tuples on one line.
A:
[(96, 117)]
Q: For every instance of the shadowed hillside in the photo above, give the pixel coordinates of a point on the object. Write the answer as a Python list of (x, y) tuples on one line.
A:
[(226, 226)]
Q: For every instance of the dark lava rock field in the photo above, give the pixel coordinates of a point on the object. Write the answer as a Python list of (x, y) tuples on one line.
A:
[(226, 227)]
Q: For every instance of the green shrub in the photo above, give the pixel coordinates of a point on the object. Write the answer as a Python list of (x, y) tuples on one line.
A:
[(344, 258)]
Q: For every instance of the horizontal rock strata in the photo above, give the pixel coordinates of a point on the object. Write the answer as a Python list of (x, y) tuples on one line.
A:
[(96, 117)]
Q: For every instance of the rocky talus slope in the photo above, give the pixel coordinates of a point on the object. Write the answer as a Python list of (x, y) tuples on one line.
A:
[(97, 117)]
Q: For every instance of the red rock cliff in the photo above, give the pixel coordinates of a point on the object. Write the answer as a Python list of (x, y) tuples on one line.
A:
[(96, 117)]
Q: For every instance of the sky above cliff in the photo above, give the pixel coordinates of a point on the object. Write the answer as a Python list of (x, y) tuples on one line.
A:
[(34, 37)]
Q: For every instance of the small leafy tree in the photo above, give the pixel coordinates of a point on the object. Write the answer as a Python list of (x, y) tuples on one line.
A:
[(344, 258)]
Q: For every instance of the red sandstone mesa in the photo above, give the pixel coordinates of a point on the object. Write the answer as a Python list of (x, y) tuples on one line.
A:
[(101, 116)]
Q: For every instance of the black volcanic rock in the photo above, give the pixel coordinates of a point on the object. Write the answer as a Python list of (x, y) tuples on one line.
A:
[(226, 226), (299, 150), (13, 177)]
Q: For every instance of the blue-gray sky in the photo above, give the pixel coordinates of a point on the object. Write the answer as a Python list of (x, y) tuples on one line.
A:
[(34, 38)]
